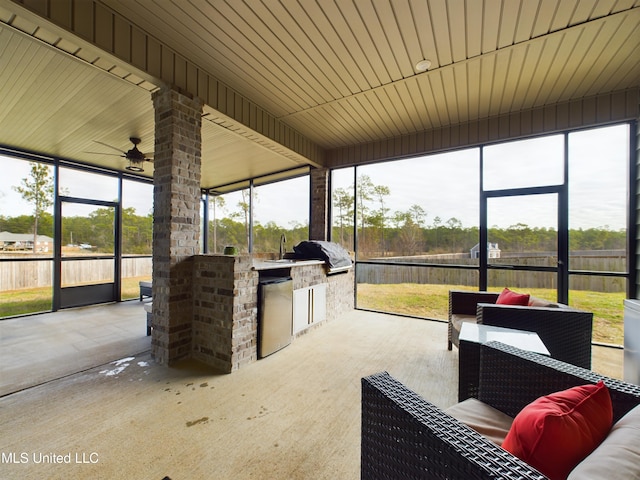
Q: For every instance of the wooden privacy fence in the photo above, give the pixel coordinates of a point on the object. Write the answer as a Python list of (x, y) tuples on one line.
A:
[(39, 273), (32, 274), (390, 274)]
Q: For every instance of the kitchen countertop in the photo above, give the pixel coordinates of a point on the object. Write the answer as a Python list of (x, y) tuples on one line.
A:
[(286, 263)]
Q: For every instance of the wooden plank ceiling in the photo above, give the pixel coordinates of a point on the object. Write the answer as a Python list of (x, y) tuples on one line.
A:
[(340, 72)]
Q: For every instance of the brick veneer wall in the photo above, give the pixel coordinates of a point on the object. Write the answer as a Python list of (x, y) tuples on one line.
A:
[(307, 275), (225, 311), (319, 221), (205, 306), (340, 294), (176, 221), (225, 306)]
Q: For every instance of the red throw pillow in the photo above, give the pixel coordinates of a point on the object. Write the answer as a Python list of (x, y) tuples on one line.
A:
[(508, 297), (556, 432)]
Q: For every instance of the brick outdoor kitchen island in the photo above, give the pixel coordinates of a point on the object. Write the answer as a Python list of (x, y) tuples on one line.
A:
[(224, 331)]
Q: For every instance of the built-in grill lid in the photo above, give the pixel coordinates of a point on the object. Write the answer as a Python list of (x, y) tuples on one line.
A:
[(335, 256)]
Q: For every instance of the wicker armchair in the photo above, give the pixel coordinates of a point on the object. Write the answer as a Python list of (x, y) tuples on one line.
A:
[(566, 332), (404, 436)]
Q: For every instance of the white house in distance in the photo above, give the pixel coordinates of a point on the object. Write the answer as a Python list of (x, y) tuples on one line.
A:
[(492, 250), (24, 241)]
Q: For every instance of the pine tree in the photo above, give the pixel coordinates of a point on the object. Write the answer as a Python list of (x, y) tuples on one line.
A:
[(38, 190)]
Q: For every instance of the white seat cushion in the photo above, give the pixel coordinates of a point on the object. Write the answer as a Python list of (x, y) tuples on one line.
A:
[(457, 320), (618, 456), (484, 419)]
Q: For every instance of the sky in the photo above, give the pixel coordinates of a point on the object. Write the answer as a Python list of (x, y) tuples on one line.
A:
[(444, 185), (77, 184), (447, 185)]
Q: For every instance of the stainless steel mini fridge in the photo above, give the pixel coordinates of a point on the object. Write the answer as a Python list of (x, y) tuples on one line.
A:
[(275, 314)]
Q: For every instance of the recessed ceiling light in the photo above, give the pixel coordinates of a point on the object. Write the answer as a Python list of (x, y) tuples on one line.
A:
[(423, 65)]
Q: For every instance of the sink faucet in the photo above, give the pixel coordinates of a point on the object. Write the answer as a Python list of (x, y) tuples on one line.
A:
[(283, 240)]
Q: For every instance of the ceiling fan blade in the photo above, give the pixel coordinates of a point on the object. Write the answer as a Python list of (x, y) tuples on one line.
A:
[(109, 146), (102, 153)]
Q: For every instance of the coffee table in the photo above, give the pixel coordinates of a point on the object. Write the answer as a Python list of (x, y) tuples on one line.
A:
[(472, 335)]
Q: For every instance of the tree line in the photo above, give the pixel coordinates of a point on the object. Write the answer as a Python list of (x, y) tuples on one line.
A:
[(380, 230), (96, 229)]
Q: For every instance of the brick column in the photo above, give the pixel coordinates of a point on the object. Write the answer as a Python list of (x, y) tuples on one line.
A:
[(176, 221), (319, 221)]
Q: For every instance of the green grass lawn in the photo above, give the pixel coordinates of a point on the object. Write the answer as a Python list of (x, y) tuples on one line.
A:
[(32, 300), (432, 301)]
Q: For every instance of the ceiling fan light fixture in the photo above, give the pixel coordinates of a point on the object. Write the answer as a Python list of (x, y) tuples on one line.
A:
[(134, 156), (423, 65), (133, 167)]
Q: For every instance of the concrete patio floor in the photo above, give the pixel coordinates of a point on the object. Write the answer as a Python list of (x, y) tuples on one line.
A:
[(70, 341), (292, 415), (82, 383), (39, 348)]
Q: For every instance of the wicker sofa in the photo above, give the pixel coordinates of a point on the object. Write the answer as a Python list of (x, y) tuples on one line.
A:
[(566, 332), (404, 436)]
